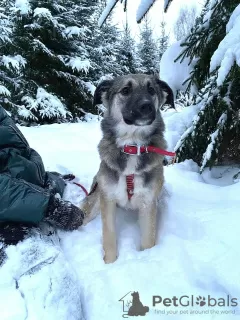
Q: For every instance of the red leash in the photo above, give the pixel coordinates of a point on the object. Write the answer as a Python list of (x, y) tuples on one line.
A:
[(70, 177), (78, 184)]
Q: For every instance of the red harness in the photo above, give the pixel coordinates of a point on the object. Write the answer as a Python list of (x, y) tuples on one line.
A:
[(130, 185), (133, 149)]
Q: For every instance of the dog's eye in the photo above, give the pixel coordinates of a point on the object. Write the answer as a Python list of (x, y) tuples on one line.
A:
[(125, 91), (151, 90)]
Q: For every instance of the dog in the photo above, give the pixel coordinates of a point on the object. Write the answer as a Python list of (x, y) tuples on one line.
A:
[(130, 174), (137, 308)]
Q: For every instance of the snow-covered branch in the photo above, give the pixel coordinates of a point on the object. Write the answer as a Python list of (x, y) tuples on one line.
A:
[(228, 51), (142, 10)]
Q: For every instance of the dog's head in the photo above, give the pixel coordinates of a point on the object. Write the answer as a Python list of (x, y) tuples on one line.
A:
[(134, 99), (135, 295)]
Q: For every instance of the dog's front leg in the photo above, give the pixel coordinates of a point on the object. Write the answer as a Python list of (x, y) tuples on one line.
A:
[(148, 222), (108, 212)]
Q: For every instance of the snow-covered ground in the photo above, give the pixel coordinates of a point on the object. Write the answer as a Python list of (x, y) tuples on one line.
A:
[(197, 251)]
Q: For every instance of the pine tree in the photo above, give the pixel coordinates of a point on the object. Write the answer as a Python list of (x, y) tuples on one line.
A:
[(50, 39), (163, 41), (10, 65), (4, 40), (105, 48), (128, 58), (214, 135), (185, 22), (147, 50)]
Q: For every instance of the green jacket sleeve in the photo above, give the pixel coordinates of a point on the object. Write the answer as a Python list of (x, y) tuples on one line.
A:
[(21, 201), (54, 182), (25, 186)]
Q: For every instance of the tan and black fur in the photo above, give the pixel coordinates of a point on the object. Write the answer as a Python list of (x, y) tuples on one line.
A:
[(132, 117)]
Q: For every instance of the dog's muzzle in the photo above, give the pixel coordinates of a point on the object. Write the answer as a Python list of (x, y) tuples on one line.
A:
[(143, 115)]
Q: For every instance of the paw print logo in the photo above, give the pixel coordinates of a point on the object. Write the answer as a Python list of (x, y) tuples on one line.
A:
[(201, 301)]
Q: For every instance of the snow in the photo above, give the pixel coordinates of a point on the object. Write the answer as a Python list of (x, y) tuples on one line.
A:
[(4, 91), (50, 106), (177, 122), (228, 51), (59, 8), (175, 73), (208, 14), (37, 279), (196, 251), (79, 64), (74, 30), (38, 45), (5, 30), (91, 88), (23, 6), (166, 4), (205, 97), (109, 6), (143, 8), (34, 25), (42, 12), (214, 137), (221, 175), (90, 117), (15, 62)]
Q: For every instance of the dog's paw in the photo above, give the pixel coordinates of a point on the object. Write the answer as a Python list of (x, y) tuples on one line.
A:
[(147, 246), (109, 259)]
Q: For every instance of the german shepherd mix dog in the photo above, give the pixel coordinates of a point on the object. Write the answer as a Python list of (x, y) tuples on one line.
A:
[(130, 173)]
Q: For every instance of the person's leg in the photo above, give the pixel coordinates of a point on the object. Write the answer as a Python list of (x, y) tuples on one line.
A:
[(12, 232), (24, 202), (3, 255), (37, 276)]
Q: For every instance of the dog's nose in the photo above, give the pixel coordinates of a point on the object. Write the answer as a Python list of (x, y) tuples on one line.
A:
[(146, 108)]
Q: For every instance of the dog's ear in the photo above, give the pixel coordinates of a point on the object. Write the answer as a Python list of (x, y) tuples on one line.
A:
[(170, 97), (104, 86)]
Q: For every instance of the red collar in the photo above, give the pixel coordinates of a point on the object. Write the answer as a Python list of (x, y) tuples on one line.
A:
[(134, 149)]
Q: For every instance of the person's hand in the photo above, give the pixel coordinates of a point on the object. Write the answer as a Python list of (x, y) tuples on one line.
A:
[(63, 214)]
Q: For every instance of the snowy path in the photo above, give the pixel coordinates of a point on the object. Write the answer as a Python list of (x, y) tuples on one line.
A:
[(197, 251)]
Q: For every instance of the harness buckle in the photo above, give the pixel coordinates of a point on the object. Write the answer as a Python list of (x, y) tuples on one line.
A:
[(138, 150)]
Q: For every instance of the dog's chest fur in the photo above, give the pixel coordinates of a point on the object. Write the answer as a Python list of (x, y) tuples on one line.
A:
[(117, 188), (132, 165)]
